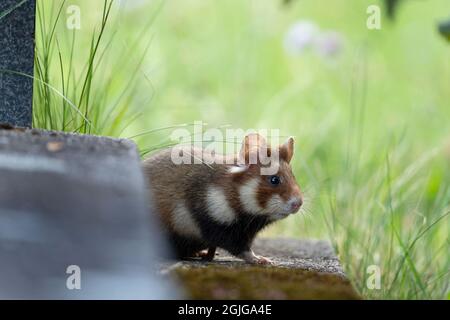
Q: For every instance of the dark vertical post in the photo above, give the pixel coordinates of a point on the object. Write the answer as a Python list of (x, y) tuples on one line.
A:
[(17, 23)]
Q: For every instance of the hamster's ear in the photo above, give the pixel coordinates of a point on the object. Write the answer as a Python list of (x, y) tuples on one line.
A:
[(287, 150), (251, 146)]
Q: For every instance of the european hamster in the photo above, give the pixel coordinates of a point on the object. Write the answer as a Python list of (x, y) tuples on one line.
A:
[(225, 200)]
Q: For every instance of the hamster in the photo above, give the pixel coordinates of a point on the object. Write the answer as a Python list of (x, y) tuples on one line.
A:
[(222, 203)]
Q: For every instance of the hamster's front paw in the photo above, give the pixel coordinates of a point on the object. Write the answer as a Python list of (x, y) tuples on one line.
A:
[(250, 257), (207, 255), (263, 260)]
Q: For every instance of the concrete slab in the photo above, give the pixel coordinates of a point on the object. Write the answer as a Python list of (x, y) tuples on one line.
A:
[(69, 199), (17, 24), (303, 269)]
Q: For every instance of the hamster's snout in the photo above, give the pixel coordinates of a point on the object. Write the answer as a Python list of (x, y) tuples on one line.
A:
[(295, 204)]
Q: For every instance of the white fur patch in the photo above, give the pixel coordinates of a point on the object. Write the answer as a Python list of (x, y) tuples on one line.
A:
[(275, 205), (183, 222), (218, 206), (247, 194)]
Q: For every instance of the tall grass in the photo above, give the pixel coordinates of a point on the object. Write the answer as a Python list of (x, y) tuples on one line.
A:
[(371, 125), (76, 88)]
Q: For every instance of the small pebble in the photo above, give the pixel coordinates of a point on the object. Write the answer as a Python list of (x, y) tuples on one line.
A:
[(54, 146)]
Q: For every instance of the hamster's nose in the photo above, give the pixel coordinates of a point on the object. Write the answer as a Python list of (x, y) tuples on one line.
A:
[(295, 204)]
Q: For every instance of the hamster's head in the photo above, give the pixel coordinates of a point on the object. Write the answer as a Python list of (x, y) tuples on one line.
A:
[(264, 179)]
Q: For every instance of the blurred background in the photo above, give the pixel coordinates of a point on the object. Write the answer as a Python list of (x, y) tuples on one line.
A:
[(369, 109)]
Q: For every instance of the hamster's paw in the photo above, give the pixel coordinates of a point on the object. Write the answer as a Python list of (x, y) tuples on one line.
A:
[(250, 257), (207, 255), (263, 260)]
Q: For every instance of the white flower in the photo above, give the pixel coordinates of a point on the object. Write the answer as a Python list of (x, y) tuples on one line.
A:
[(329, 43), (300, 36)]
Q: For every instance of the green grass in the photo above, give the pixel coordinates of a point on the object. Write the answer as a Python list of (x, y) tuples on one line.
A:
[(85, 79), (371, 125)]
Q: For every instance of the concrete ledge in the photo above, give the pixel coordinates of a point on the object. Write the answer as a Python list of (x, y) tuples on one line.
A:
[(304, 269), (68, 199)]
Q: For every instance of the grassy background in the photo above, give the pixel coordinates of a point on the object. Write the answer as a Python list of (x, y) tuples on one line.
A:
[(371, 124)]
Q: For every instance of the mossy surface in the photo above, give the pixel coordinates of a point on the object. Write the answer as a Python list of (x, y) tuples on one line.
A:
[(219, 282), (302, 269)]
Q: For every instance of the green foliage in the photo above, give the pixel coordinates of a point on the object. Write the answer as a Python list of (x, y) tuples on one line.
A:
[(77, 86), (371, 125)]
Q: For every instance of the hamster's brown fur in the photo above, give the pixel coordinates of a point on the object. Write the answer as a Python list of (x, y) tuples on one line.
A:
[(222, 203)]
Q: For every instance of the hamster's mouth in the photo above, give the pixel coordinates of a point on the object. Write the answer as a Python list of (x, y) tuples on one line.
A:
[(284, 214), (281, 215)]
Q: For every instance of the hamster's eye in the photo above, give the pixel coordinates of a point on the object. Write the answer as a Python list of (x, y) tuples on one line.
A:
[(275, 180)]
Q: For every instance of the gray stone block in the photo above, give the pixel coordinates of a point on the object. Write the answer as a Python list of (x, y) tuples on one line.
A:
[(303, 269), (17, 23), (70, 199)]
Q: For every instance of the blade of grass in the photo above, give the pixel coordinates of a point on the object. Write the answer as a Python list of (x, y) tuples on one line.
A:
[(406, 252)]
